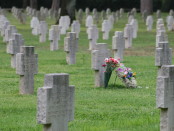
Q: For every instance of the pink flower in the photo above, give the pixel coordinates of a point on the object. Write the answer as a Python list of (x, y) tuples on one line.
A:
[(104, 65)]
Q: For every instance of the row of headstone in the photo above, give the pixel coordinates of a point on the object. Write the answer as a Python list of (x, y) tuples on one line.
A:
[(22, 57), (39, 28), (164, 90), (19, 14)]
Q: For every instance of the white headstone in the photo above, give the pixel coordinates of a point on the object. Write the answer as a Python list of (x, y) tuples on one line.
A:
[(170, 23), (149, 23), (93, 35), (26, 67), (118, 45), (70, 47), (89, 21), (55, 102), (75, 27), (165, 97), (106, 27), (34, 24), (128, 35), (98, 57), (43, 27), (13, 47), (9, 32), (134, 24), (54, 37)]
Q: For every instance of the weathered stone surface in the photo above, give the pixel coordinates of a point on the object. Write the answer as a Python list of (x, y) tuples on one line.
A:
[(165, 97), (89, 21), (43, 28), (75, 27), (34, 24), (9, 32), (54, 37), (93, 35), (70, 47), (13, 47), (26, 67), (55, 102), (149, 23), (98, 56), (118, 45), (106, 27), (128, 35)]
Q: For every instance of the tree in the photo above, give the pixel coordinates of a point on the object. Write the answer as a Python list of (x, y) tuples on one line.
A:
[(68, 8), (25, 3), (146, 5), (33, 4), (167, 5), (55, 4)]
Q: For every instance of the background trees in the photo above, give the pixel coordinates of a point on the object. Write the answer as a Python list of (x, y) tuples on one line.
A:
[(165, 5)]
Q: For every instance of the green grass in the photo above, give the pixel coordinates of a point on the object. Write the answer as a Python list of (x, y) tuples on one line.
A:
[(96, 109)]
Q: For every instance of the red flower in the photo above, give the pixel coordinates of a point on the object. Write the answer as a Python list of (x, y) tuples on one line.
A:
[(104, 65)]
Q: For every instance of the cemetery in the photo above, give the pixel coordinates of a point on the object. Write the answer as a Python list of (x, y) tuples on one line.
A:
[(105, 71)]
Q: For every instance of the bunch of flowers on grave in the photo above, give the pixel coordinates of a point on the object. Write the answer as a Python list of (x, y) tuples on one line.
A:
[(110, 65), (126, 74)]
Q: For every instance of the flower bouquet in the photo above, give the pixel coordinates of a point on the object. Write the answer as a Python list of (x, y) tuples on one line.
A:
[(124, 73), (127, 76), (110, 65)]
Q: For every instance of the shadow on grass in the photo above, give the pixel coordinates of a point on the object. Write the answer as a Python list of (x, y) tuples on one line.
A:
[(116, 87)]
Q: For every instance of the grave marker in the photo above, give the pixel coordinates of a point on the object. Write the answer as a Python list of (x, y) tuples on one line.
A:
[(70, 47), (118, 45), (55, 102), (26, 67), (54, 37), (13, 47), (98, 57)]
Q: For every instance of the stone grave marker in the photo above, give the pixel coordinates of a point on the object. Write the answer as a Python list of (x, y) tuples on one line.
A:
[(4, 26), (34, 24), (54, 37), (13, 47), (43, 27), (87, 12), (128, 35), (64, 22), (121, 12), (149, 23), (26, 67), (111, 20), (75, 27), (165, 97), (89, 21), (161, 37), (163, 55), (134, 24), (118, 45), (93, 35), (171, 12), (80, 15), (144, 15), (9, 32), (158, 14), (98, 56), (159, 22), (71, 47), (106, 27), (55, 102), (170, 23)]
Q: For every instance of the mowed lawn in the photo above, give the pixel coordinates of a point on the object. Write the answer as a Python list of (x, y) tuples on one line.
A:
[(96, 109)]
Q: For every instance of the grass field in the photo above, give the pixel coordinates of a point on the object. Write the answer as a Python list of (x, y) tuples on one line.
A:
[(96, 109)]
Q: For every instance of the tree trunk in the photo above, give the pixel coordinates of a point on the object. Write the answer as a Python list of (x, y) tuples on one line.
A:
[(25, 3), (33, 4), (67, 8), (55, 4), (147, 5)]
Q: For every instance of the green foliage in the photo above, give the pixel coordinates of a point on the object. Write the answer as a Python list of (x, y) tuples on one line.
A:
[(96, 109)]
